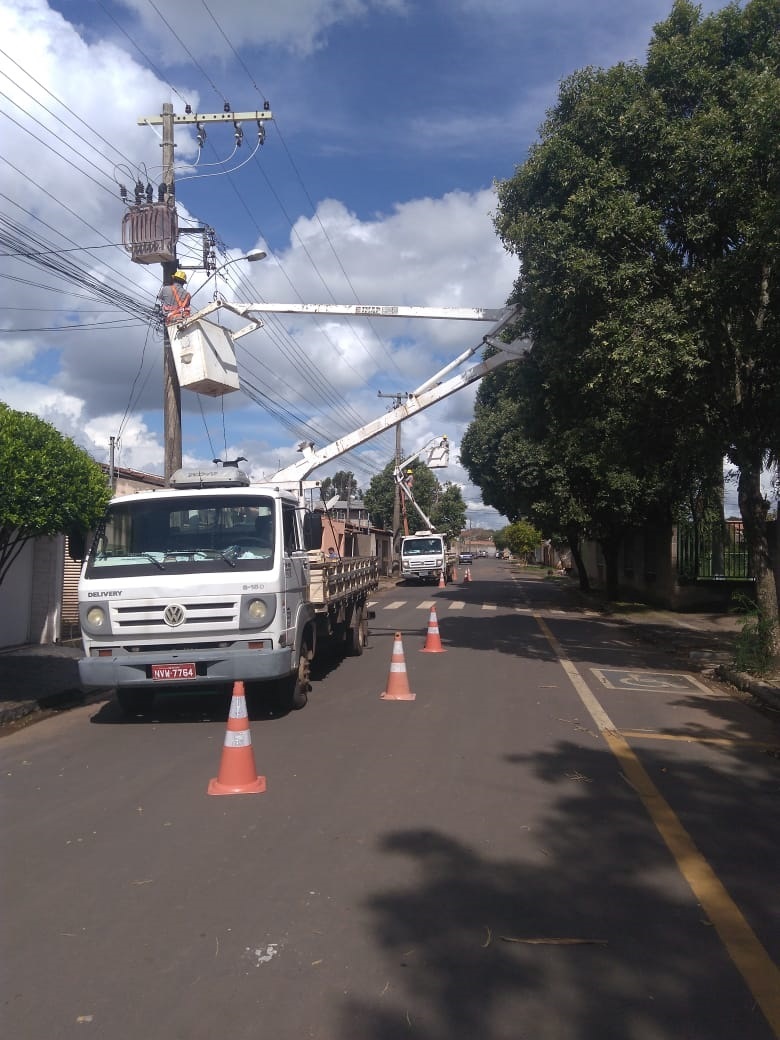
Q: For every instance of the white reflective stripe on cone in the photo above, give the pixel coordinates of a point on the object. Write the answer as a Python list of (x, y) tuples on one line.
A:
[(238, 738), (238, 708)]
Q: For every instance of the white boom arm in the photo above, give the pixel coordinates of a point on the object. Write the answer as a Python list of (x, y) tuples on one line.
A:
[(406, 491), (355, 310), (429, 393)]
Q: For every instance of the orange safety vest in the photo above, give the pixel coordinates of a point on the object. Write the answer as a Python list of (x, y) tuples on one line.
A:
[(178, 311)]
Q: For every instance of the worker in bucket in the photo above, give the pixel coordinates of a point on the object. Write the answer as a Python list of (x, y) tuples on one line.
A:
[(175, 299)]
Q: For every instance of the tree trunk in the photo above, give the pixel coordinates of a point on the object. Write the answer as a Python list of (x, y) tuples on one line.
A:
[(753, 508), (610, 547), (573, 538)]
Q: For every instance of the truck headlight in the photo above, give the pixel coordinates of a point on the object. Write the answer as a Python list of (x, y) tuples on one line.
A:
[(257, 611), (95, 619)]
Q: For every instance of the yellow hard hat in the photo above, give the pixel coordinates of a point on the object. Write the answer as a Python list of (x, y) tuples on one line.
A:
[(179, 276)]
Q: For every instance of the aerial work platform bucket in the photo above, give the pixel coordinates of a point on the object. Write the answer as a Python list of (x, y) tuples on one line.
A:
[(205, 357)]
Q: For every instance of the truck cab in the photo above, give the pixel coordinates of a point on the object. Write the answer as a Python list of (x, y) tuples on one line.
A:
[(425, 557)]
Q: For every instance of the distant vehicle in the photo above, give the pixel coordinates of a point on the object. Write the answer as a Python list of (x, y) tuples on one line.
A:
[(466, 557), (425, 556), (482, 552), (499, 554)]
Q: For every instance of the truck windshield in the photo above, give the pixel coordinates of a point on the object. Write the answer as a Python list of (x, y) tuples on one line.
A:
[(421, 547), (203, 533)]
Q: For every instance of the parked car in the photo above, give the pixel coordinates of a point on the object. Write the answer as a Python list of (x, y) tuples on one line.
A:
[(466, 557)]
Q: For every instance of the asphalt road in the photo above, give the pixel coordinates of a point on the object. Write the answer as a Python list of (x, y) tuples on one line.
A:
[(563, 837)]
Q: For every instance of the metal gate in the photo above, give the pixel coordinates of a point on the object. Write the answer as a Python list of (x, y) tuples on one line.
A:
[(707, 551)]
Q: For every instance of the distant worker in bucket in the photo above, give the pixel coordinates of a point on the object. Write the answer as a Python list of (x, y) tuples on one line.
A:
[(175, 299)]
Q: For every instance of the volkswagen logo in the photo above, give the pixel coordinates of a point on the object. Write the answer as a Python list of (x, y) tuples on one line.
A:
[(174, 615)]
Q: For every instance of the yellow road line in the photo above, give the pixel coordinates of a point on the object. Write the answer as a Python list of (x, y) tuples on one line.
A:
[(757, 968)]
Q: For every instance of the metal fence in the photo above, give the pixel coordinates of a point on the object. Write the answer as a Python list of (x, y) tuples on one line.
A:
[(707, 551)]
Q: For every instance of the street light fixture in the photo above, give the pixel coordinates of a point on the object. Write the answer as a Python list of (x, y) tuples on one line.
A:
[(252, 256)]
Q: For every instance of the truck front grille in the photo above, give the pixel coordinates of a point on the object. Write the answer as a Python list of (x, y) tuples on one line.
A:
[(192, 615)]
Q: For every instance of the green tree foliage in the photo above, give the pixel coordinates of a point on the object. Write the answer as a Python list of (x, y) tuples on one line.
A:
[(50, 485), (443, 505), (647, 221), (449, 511), (343, 484), (522, 538)]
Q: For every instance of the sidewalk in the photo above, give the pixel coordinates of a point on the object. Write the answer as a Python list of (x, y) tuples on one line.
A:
[(34, 678)]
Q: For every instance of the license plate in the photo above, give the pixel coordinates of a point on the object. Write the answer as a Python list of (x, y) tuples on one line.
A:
[(172, 672)]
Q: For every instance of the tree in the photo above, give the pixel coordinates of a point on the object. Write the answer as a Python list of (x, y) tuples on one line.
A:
[(443, 506), (717, 81), (522, 538), (50, 485), (343, 484), (647, 223), (449, 511)]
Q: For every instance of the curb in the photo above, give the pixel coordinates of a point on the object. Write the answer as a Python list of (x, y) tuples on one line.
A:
[(766, 692)]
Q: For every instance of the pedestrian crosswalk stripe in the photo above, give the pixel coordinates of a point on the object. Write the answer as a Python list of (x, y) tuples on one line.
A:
[(426, 604), (489, 606), (395, 604), (457, 604)]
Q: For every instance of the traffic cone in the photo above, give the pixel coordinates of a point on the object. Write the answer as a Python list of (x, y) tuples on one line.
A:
[(454, 573), (467, 575), (237, 770), (433, 640), (442, 582), (397, 682)]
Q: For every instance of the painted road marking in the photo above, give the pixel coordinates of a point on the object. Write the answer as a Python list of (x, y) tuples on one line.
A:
[(489, 606), (426, 604), (457, 604), (395, 605), (733, 743), (754, 964), (662, 682)]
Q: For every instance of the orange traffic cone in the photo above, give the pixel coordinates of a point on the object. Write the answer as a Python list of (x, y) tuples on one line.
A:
[(433, 640), (467, 575), (454, 573), (442, 582), (237, 770), (397, 682)]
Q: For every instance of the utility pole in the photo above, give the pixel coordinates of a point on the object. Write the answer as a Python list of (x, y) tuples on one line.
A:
[(167, 197), (397, 400), (171, 388)]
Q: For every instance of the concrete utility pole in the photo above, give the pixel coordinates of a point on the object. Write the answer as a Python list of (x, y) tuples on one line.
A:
[(171, 388), (168, 120), (397, 400)]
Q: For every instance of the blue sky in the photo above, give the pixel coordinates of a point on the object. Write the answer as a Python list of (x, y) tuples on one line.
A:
[(393, 119)]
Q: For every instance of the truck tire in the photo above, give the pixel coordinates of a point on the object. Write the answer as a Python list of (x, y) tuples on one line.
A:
[(294, 690), (357, 633), (135, 702)]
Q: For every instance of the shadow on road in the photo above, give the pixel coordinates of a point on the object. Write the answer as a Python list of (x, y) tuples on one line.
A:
[(590, 932)]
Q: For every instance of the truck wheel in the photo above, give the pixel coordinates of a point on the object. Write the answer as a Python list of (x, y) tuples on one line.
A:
[(294, 691), (135, 702), (357, 634)]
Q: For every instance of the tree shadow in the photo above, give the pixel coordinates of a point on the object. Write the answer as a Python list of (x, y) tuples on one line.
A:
[(647, 964)]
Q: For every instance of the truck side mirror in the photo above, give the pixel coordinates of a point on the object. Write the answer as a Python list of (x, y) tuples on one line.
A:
[(312, 530)]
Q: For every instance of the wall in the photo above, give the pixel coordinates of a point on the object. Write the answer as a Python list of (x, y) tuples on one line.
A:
[(16, 598), (647, 572)]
